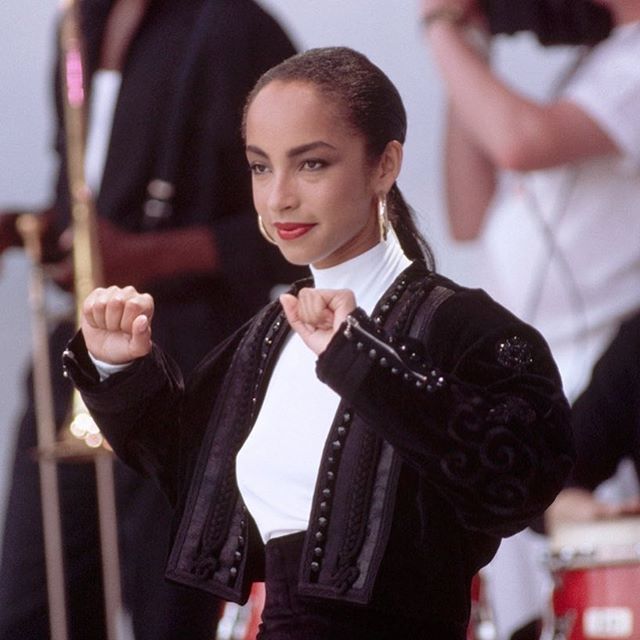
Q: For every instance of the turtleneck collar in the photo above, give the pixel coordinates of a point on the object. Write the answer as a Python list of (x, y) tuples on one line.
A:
[(368, 275)]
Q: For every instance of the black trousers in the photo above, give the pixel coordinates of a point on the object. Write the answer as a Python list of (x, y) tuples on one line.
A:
[(287, 616)]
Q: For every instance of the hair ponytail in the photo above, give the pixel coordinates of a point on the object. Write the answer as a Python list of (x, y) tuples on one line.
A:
[(402, 219)]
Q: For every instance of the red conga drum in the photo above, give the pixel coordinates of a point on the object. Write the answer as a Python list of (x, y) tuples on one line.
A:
[(481, 622), (596, 572), (242, 622)]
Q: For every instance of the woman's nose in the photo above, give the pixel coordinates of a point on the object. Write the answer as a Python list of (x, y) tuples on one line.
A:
[(283, 193)]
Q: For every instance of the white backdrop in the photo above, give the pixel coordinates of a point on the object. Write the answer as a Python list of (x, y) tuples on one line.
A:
[(385, 30)]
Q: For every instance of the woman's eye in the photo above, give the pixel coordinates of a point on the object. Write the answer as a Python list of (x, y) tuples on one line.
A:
[(257, 169), (314, 165)]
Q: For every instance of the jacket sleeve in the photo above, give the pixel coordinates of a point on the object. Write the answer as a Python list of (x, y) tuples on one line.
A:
[(141, 410), (476, 407)]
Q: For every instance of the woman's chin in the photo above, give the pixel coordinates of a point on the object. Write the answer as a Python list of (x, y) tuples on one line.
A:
[(295, 257)]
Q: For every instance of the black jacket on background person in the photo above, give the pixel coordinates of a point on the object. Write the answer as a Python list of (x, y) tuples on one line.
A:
[(606, 416), (452, 432)]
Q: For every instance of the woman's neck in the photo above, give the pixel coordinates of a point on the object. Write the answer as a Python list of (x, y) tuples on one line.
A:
[(368, 274)]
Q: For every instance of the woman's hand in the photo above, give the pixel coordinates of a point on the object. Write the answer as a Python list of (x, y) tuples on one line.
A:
[(116, 324), (316, 314)]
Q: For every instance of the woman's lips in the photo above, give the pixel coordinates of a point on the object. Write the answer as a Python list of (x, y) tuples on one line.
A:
[(292, 230)]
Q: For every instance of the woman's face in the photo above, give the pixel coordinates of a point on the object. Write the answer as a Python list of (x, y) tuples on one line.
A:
[(312, 183)]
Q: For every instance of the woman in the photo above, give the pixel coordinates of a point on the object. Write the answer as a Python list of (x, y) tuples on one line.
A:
[(381, 448)]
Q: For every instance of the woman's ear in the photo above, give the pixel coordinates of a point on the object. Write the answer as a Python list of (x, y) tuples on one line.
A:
[(388, 167)]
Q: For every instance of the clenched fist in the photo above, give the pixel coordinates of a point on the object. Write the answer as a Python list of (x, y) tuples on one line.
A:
[(316, 314), (116, 324)]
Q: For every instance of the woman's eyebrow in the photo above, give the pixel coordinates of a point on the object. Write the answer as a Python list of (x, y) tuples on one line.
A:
[(296, 151), (257, 150), (292, 153)]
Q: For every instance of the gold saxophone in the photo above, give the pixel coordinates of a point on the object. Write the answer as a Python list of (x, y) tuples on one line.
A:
[(87, 265)]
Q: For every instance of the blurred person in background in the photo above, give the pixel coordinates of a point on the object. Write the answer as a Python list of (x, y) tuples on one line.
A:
[(166, 84), (594, 542), (549, 190), (606, 426)]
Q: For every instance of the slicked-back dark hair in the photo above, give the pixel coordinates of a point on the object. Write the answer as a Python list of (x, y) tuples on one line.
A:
[(372, 107)]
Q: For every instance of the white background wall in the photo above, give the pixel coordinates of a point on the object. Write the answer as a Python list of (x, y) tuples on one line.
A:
[(26, 167), (385, 30)]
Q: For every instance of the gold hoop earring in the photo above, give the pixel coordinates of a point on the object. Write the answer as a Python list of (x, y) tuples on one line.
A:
[(383, 217), (264, 232)]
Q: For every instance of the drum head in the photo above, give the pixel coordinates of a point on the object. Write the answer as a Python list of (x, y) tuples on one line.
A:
[(610, 541)]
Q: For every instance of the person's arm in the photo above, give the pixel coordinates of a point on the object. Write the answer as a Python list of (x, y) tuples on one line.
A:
[(470, 180), (137, 409), (141, 258), (509, 130), (581, 505), (9, 236), (140, 408), (477, 408)]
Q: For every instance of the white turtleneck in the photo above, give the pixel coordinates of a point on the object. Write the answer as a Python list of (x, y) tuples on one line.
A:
[(277, 466)]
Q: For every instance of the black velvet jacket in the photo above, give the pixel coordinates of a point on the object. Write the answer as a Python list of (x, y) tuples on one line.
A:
[(452, 432)]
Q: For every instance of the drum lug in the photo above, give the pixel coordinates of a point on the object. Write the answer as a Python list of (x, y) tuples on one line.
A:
[(558, 627)]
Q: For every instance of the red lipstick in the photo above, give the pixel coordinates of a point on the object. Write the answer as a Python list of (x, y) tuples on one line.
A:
[(292, 230)]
